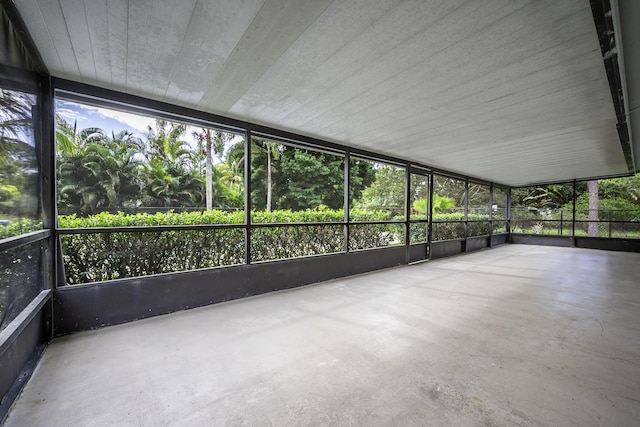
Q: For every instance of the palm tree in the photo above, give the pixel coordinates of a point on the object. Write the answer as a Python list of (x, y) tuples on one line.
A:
[(75, 183), (18, 162), (164, 143), (172, 176), (213, 141), (95, 171), (273, 151), (16, 127), (70, 141), (172, 185)]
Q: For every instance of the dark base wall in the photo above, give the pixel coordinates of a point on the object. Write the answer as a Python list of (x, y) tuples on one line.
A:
[(603, 243), (445, 248), (499, 239), (418, 252), (477, 243), (626, 245), (83, 307), (541, 239), (23, 341)]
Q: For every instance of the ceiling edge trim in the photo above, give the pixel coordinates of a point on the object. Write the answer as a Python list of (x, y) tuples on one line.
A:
[(23, 36), (604, 19)]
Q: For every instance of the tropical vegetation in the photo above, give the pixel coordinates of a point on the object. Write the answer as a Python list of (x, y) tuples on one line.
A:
[(603, 208), (179, 175)]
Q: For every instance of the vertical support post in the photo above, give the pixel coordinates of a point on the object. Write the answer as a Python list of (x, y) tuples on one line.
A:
[(430, 216), (610, 224), (45, 138), (573, 216), (347, 175), (508, 216), (490, 214), (466, 213), (247, 196), (561, 217), (407, 212)]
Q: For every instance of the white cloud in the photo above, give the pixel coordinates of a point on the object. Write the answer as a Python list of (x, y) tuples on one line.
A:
[(135, 121), (70, 114), (90, 116)]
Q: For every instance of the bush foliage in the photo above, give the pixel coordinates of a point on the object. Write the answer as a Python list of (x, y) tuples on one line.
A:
[(449, 226), (16, 228), (105, 256)]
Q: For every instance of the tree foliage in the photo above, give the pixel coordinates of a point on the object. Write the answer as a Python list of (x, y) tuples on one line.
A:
[(387, 191), (303, 179), (105, 256), (97, 172), (19, 184)]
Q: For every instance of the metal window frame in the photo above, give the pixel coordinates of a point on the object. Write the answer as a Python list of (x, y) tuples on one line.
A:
[(92, 95)]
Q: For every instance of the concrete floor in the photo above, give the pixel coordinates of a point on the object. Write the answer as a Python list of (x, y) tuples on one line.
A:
[(517, 335)]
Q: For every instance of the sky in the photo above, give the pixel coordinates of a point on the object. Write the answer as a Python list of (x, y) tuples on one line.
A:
[(109, 120), (104, 118)]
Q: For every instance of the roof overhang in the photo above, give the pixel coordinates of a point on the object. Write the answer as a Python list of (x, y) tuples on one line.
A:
[(509, 92)]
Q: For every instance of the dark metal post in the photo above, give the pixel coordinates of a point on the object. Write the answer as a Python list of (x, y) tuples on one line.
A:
[(407, 212), (573, 217), (44, 121), (247, 196), (561, 215), (45, 138), (490, 213), (466, 213), (347, 174), (508, 216), (430, 216)]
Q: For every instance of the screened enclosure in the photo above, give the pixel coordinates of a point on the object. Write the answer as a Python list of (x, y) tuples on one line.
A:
[(263, 157)]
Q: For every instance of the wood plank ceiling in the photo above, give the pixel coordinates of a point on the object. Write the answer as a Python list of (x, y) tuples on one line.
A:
[(513, 92)]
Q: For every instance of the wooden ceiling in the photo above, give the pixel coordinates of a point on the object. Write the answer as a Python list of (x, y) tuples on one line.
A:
[(510, 92)]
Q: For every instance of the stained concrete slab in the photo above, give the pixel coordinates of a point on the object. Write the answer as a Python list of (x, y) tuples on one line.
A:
[(513, 336)]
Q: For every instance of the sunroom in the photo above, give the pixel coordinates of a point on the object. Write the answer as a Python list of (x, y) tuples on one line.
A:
[(456, 181)]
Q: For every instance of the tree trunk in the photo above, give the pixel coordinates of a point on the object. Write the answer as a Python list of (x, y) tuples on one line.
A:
[(593, 208), (209, 177)]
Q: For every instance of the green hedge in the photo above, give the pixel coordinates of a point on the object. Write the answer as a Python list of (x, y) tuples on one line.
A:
[(18, 227), (120, 219), (106, 256), (449, 226)]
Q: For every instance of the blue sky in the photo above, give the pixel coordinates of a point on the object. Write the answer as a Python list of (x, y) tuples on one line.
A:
[(104, 118), (109, 120)]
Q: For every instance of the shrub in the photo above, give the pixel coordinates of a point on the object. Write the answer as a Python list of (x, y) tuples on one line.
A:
[(449, 226), (17, 227), (105, 256)]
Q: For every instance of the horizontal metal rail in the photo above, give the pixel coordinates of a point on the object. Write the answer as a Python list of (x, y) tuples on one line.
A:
[(202, 227), (24, 239), (147, 228)]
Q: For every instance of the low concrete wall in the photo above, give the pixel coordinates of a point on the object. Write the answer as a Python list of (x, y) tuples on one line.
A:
[(90, 306), (21, 344), (608, 244), (477, 243), (418, 252), (541, 239), (444, 248), (499, 239)]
